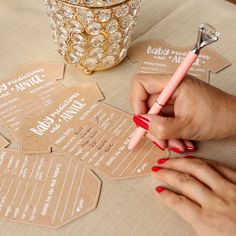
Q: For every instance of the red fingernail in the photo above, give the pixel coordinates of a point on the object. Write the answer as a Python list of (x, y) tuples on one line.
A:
[(160, 189), (136, 124), (189, 157), (155, 169), (159, 146), (177, 150), (190, 149), (142, 122), (162, 160), (143, 118)]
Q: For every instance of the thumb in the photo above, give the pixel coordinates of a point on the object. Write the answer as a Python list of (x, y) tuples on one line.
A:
[(161, 127)]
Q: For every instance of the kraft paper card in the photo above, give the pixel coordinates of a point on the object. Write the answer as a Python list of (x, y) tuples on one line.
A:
[(92, 132), (47, 190), (159, 57), (3, 142), (31, 90)]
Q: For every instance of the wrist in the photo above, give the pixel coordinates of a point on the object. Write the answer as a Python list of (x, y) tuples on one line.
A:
[(230, 117)]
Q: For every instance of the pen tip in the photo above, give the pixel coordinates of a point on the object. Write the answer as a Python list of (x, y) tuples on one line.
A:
[(130, 146)]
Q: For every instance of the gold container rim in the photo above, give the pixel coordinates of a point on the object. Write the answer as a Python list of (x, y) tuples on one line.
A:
[(94, 7)]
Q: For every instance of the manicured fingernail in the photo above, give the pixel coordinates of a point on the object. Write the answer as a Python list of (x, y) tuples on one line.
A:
[(177, 150), (155, 169), (162, 161), (190, 149), (134, 116), (143, 118), (160, 189), (159, 146), (189, 157), (142, 122)]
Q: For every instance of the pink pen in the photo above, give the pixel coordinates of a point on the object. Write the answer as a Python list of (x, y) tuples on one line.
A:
[(206, 35)]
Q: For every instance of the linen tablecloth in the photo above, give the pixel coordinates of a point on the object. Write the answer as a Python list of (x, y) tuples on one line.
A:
[(127, 207)]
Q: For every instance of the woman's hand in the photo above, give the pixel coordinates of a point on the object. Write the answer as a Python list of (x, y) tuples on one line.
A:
[(197, 111), (207, 197)]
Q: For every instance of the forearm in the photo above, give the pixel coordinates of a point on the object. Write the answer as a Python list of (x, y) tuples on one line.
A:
[(231, 117)]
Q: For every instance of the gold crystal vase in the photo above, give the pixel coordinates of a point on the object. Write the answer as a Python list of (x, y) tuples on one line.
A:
[(93, 35)]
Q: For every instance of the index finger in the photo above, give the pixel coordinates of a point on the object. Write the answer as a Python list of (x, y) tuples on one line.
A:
[(185, 207), (142, 86), (199, 169)]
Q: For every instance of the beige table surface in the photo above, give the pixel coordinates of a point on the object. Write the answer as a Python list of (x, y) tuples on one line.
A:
[(127, 207)]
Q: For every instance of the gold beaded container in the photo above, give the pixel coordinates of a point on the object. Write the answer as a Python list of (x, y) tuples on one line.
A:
[(93, 35)]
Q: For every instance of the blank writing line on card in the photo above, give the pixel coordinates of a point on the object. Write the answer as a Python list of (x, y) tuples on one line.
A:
[(124, 159), (30, 109), (32, 170), (14, 197), (49, 168), (32, 195), (126, 154), (26, 188), (3, 182), (78, 191), (62, 190), (133, 159), (9, 188), (44, 184), (73, 180), (142, 159), (41, 192), (115, 124), (122, 135)]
